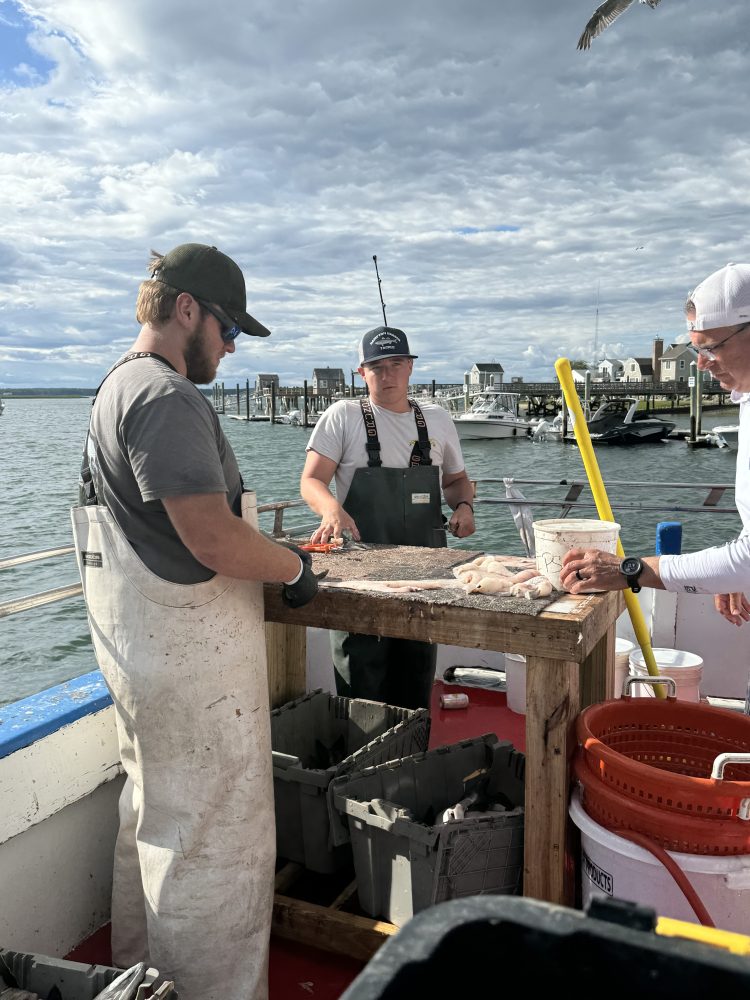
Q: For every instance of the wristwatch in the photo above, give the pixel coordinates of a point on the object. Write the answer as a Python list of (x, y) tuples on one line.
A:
[(631, 568)]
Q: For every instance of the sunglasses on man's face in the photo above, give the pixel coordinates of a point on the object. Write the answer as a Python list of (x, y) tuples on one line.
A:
[(229, 329)]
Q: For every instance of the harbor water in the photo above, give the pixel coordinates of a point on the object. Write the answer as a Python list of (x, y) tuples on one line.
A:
[(40, 454)]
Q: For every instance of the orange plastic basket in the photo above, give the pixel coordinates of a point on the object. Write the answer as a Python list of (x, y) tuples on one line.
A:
[(645, 764)]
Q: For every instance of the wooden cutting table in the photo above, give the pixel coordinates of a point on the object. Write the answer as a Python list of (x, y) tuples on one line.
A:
[(570, 657)]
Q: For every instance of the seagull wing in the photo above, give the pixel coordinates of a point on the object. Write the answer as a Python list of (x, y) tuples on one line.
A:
[(602, 17)]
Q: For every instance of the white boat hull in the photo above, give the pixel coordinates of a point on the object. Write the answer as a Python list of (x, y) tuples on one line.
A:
[(469, 429)]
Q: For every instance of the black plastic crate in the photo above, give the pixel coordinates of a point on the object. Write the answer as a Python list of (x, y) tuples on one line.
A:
[(610, 952)]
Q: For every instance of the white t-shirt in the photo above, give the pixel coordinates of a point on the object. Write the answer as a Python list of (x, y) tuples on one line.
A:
[(340, 435), (724, 569)]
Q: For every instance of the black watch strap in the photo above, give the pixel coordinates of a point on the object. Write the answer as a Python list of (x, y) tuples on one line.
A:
[(631, 568)]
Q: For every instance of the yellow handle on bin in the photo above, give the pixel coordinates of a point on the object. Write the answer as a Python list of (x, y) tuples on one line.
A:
[(583, 438)]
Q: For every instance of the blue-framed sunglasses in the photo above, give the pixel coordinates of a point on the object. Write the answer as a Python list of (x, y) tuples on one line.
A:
[(229, 329)]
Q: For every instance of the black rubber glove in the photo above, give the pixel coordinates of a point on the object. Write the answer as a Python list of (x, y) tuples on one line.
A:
[(294, 595)]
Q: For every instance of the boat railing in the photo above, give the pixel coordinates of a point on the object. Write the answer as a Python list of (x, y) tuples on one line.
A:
[(268, 513), (716, 499)]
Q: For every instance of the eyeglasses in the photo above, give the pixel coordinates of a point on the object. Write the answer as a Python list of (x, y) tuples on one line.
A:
[(708, 351), (229, 329)]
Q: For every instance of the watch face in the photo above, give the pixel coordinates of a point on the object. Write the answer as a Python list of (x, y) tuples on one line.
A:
[(630, 565)]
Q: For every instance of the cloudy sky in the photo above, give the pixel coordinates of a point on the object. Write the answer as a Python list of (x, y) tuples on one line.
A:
[(506, 181)]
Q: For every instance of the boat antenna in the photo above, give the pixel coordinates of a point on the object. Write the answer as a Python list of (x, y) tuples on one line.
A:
[(596, 324), (380, 290)]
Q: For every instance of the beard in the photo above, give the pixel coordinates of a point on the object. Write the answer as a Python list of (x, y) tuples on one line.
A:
[(201, 369)]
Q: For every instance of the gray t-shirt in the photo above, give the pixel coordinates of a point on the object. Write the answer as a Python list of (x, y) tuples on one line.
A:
[(155, 435)]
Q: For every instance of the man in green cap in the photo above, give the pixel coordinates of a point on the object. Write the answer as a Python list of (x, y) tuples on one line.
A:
[(173, 567)]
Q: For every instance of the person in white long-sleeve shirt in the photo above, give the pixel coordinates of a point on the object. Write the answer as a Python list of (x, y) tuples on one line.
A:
[(718, 318)]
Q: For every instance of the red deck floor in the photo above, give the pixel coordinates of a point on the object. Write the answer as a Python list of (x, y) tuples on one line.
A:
[(298, 971)]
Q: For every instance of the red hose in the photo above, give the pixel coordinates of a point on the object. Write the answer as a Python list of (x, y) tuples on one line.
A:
[(674, 870)]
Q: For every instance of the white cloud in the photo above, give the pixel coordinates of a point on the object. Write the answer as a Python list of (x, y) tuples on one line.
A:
[(500, 175)]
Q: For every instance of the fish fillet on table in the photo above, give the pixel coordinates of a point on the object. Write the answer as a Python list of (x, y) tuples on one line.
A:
[(483, 575)]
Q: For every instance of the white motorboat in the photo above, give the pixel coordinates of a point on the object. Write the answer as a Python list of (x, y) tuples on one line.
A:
[(493, 414), (724, 436)]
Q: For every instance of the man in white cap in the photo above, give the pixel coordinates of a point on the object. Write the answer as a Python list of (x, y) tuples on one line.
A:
[(173, 566), (390, 457), (718, 318)]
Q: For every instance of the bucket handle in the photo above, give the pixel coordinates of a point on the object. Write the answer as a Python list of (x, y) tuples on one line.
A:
[(662, 679), (717, 771)]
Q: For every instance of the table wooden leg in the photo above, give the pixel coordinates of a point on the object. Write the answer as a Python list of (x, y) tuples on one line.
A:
[(556, 692), (598, 670), (552, 705), (286, 650)]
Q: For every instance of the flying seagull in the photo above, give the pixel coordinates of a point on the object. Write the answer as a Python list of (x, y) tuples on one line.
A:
[(603, 16)]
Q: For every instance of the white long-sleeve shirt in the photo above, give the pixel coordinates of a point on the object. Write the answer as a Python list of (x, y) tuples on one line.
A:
[(723, 569)]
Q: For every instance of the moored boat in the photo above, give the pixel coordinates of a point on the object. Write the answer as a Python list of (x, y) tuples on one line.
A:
[(493, 414), (724, 436), (617, 421)]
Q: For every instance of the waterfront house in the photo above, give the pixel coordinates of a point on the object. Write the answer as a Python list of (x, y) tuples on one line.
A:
[(610, 369), (264, 383), (482, 375), (637, 370), (675, 363), (328, 381)]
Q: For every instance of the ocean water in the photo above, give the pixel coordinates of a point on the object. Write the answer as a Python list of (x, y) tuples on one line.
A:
[(40, 453)]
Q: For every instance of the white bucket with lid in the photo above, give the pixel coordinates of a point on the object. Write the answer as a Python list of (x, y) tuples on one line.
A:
[(613, 866), (515, 682), (685, 668), (623, 649), (556, 536)]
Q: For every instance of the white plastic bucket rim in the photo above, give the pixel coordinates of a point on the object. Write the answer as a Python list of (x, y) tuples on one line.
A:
[(667, 659), (553, 537), (555, 526), (686, 669)]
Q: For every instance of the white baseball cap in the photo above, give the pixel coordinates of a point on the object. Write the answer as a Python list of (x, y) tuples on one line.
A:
[(722, 299)]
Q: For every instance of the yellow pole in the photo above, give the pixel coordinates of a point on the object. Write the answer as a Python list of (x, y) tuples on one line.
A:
[(581, 431)]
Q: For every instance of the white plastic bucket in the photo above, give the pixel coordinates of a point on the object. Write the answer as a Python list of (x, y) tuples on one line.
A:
[(613, 866), (515, 682), (623, 649), (555, 536), (685, 668)]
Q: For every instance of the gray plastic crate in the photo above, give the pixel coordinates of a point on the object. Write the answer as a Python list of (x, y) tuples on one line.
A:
[(405, 857), (75, 980), (320, 737)]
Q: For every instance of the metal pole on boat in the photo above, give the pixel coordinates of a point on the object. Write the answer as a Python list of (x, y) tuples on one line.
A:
[(272, 416), (247, 398), (238, 399), (304, 411), (466, 392), (380, 291)]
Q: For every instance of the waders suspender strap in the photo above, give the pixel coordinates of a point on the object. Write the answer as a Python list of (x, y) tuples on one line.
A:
[(87, 491), (420, 454)]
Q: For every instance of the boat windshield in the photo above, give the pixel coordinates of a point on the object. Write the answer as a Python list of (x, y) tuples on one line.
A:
[(496, 402)]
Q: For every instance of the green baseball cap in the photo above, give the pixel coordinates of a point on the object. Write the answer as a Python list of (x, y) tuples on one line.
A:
[(208, 274)]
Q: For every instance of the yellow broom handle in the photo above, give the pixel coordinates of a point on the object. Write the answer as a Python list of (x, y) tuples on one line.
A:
[(581, 431)]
